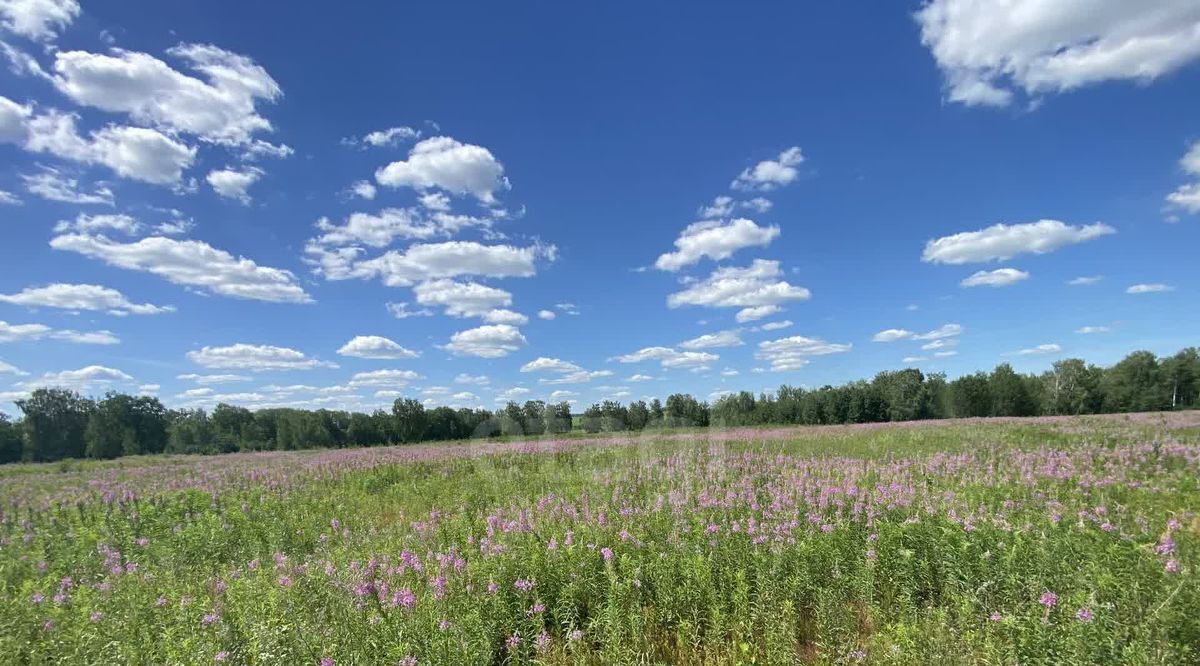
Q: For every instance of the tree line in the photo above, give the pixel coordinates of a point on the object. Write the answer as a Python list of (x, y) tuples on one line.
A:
[(59, 423)]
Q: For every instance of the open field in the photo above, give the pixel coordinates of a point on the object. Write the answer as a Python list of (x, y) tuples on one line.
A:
[(1053, 540)]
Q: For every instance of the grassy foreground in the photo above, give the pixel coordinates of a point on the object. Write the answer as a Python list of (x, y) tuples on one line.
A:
[(1037, 541)]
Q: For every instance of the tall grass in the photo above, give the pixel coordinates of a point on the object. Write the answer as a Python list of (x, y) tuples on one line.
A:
[(1059, 541)]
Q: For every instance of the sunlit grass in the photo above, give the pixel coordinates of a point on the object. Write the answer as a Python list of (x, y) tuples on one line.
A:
[(1040, 541)]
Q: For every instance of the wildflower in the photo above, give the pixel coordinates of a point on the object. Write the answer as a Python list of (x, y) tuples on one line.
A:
[(574, 635), (492, 587), (328, 661), (1049, 599), (404, 597), (285, 581), (408, 661), (209, 619), (48, 625), (513, 641), (96, 616), (221, 656), (542, 641), (523, 584), (160, 602), (607, 553), (38, 597), (444, 624), (1084, 615), (1172, 566), (535, 609), (995, 617)]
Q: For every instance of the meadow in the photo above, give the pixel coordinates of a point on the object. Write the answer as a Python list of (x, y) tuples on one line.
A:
[(1055, 540)]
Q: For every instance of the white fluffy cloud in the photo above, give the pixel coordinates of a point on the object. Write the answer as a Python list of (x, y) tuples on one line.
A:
[(82, 297), (37, 19), (1002, 241), (892, 335), (220, 109), (1038, 350), (256, 358), (10, 369), (939, 333), (546, 314), (31, 332), (987, 50), (461, 299), (401, 311), (792, 353), (713, 340), (137, 153), (770, 174), (444, 163), (398, 378), (391, 136), (374, 346), (52, 185), (363, 190), (428, 261), (670, 358), (757, 288), (82, 379), (476, 380), (547, 364), (1085, 280), (1001, 277), (380, 230), (503, 316), (86, 224), (1187, 197), (192, 263), (1091, 330), (577, 377), (232, 183), (491, 341), (1152, 288), (213, 379), (776, 325), (757, 312), (715, 240), (9, 199)]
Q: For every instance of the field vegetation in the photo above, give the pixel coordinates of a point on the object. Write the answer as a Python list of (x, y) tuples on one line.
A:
[(1053, 540)]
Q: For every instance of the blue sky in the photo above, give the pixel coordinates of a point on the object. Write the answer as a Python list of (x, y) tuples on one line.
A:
[(581, 203)]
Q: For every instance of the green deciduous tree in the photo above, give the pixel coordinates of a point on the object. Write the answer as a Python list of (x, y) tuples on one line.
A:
[(54, 424)]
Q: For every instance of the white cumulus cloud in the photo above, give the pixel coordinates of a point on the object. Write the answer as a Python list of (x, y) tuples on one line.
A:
[(447, 164), (1001, 277), (715, 240), (491, 341), (989, 50), (770, 174), (192, 263), (82, 297), (1002, 241), (256, 358), (375, 346)]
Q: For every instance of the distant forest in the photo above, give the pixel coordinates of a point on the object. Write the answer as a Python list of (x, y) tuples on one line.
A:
[(58, 423)]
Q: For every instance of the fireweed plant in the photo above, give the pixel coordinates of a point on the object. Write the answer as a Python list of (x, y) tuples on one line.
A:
[(1036, 541)]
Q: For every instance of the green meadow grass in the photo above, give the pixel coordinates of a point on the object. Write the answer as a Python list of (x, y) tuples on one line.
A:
[(1040, 541)]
